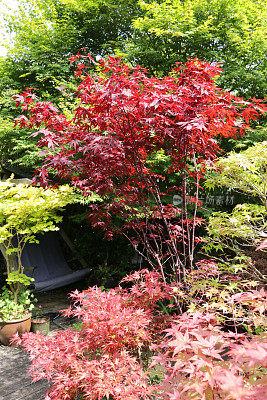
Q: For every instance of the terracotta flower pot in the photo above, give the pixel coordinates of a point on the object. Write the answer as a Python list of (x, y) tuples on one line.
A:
[(40, 324), (8, 329)]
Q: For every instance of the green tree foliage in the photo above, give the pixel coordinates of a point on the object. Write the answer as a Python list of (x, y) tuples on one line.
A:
[(227, 31), (16, 146), (46, 32), (154, 34), (26, 211), (246, 225), (256, 135), (245, 172)]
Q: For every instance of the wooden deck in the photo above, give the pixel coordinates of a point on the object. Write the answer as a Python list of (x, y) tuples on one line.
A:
[(15, 384)]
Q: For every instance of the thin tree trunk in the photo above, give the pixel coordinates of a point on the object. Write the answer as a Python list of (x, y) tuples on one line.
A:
[(11, 259)]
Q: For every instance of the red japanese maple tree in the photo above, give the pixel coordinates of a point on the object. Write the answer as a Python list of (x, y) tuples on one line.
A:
[(125, 119)]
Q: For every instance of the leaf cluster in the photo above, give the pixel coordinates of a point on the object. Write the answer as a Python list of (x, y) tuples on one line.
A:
[(10, 309), (232, 33), (245, 226), (201, 361), (245, 171), (27, 210), (105, 356)]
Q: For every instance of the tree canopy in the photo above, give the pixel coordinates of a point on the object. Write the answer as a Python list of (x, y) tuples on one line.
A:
[(46, 32), (154, 34), (227, 31), (123, 119)]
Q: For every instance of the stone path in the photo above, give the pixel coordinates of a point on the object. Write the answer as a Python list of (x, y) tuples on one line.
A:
[(15, 384)]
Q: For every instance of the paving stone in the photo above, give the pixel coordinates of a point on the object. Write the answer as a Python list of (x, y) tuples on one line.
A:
[(15, 384)]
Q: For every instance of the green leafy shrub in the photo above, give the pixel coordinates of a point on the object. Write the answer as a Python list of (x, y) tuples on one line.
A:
[(108, 357), (11, 309)]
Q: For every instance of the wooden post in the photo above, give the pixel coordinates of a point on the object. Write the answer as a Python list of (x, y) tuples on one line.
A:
[(70, 244)]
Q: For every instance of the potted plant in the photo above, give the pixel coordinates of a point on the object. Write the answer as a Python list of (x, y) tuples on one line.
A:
[(16, 304), (40, 322)]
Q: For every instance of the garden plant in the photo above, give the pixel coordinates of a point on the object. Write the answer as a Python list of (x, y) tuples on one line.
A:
[(179, 332), (125, 124), (245, 226), (25, 212), (127, 347)]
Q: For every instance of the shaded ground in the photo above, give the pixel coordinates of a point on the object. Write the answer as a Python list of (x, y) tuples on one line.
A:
[(53, 301)]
